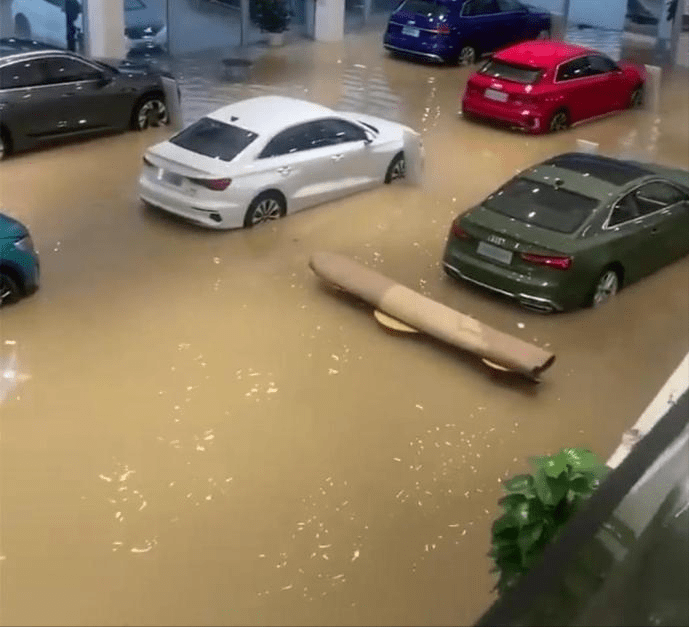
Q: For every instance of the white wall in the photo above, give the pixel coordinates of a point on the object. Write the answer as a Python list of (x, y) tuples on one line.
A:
[(105, 28), (329, 20)]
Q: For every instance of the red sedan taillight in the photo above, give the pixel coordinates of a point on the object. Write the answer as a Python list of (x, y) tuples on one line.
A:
[(552, 261), (459, 232), (217, 185), (442, 29)]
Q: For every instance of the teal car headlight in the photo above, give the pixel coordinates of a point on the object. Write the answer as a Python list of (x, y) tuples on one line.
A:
[(25, 244)]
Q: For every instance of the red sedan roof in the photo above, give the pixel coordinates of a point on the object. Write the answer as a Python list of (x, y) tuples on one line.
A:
[(540, 53)]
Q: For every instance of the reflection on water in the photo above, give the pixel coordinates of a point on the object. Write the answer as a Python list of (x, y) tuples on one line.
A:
[(196, 426)]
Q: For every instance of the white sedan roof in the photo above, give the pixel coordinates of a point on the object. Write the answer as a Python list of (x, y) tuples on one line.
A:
[(270, 114)]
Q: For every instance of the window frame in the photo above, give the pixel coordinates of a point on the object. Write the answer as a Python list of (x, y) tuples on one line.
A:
[(309, 127), (22, 62), (45, 60), (568, 80), (470, 2), (607, 226), (614, 67), (519, 7)]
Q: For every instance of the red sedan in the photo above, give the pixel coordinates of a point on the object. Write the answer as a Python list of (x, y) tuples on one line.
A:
[(541, 86)]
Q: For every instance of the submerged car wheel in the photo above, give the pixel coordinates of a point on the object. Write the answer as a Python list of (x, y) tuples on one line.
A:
[(636, 99), (151, 111), (9, 290), (607, 286), (467, 55), (265, 207), (559, 121), (397, 168)]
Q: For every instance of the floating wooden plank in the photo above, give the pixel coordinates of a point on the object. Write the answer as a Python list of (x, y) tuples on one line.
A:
[(407, 310)]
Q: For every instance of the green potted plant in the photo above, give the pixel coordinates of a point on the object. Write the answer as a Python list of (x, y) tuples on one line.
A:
[(272, 17)]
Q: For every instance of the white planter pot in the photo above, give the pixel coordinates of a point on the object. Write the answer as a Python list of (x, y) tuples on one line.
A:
[(275, 40)]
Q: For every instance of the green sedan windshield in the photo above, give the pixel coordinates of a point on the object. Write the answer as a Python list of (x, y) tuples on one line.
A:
[(542, 205)]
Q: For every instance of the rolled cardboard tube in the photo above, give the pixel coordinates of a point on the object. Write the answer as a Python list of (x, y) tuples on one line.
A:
[(431, 317)]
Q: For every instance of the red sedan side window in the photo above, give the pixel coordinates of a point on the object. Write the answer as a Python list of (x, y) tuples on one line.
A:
[(577, 68)]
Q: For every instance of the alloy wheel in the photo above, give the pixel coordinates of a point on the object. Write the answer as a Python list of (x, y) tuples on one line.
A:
[(152, 113), (266, 211), (399, 170), (8, 290), (559, 122), (467, 55), (606, 288), (637, 98)]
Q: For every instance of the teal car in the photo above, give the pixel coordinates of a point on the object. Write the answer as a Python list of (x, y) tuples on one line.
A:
[(19, 263), (571, 231)]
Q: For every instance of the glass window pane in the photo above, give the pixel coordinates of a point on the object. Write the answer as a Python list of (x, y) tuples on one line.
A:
[(20, 75), (509, 72), (542, 205), (214, 139)]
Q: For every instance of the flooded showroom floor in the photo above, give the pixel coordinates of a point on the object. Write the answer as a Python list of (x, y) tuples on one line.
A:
[(195, 432)]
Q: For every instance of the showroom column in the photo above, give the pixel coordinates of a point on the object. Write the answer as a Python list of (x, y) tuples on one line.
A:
[(330, 20), (105, 28), (5, 18)]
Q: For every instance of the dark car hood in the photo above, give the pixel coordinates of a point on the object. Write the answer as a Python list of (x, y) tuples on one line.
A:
[(11, 228), (130, 67)]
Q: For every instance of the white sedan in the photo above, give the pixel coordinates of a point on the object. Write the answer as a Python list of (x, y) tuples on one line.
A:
[(261, 158)]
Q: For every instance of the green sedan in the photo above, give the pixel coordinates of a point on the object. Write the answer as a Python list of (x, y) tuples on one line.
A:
[(571, 231)]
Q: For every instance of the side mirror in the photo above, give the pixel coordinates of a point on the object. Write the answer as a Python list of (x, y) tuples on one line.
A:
[(104, 79), (368, 137)]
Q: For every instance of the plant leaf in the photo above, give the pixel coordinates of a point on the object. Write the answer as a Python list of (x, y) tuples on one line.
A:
[(511, 501), (581, 460), (528, 537), (557, 464), (520, 484), (505, 525), (550, 490)]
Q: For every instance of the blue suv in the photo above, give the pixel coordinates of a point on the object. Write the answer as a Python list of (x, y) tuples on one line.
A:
[(19, 266), (458, 31)]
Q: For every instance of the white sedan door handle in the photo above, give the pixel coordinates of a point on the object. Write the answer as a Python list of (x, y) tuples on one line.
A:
[(336, 157), (285, 170)]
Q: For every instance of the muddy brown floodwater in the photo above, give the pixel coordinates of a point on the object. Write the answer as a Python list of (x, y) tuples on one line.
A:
[(196, 432)]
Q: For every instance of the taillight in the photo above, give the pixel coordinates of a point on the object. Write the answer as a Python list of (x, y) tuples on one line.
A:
[(459, 232), (561, 263), (442, 29), (217, 185)]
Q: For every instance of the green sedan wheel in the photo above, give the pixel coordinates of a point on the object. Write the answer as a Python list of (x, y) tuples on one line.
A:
[(607, 286)]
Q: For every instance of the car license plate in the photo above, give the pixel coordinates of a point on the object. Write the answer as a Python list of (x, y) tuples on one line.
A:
[(493, 252), (492, 94), (170, 177), (412, 32)]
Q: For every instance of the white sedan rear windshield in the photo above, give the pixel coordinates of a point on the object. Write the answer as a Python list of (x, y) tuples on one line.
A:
[(510, 72), (214, 139)]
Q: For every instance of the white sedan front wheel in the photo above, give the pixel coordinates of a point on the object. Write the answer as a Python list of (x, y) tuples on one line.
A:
[(397, 168)]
